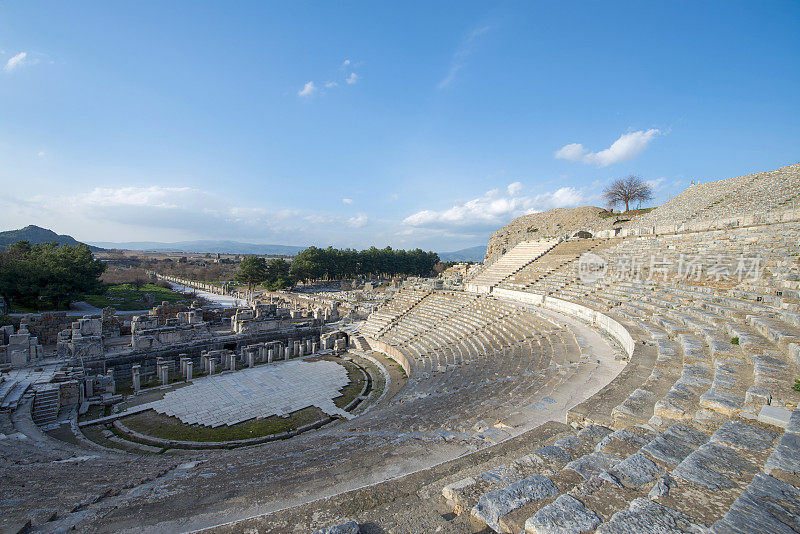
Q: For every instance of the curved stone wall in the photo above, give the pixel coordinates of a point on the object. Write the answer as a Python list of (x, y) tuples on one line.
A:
[(602, 321)]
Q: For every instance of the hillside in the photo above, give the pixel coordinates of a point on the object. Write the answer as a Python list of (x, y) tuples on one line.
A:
[(36, 234), (548, 224), (465, 254)]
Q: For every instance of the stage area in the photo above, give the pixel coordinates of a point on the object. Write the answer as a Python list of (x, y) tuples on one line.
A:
[(276, 389)]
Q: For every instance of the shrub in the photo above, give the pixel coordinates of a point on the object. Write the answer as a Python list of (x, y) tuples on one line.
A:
[(796, 385), (734, 340)]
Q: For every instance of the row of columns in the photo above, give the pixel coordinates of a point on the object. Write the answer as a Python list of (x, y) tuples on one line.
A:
[(251, 355)]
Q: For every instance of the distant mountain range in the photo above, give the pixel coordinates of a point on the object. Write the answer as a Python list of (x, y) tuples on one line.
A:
[(222, 247), (236, 247), (476, 253), (35, 235)]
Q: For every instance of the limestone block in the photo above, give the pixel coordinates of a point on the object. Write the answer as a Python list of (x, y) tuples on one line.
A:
[(494, 505), (564, 515), (774, 415), (351, 527), (644, 516), (766, 505)]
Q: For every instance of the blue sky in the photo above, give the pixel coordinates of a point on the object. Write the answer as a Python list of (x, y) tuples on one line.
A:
[(360, 123)]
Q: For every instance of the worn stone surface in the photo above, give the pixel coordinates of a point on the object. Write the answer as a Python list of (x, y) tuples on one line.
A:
[(621, 441), (766, 505), (450, 491), (740, 435), (775, 416), (644, 516), (714, 467), (495, 504), (565, 515), (593, 433), (675, 444), (351, 527), (553, 453), (785, 459), (633, 472), (262, 391), (662, 487), (794, 423), (593, 464)]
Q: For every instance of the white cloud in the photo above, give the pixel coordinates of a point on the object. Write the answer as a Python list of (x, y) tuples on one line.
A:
[(353, 78), (627, 147), (346, 63), (657, 184), (330, 84), (347, 201), (41, 153), (359, 221), (308, 89), (514, 189), (154, 196), (16, 61), (460, 57), (495, 208)]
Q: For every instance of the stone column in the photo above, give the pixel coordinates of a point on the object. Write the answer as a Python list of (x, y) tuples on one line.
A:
[(163, 373), (110, 374), (189, 369), (204, 362), (308, 346), (302, 350), (270, 355), (250, 359), (212, 364), (137, 385), (89, 385), (314, 348)]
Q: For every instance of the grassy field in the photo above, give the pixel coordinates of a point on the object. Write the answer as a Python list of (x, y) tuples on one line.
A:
[(351, 390), (154, 424), (162, 426), (129, 297)]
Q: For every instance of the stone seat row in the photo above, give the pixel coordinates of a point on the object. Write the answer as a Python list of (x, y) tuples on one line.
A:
[(637, 479)]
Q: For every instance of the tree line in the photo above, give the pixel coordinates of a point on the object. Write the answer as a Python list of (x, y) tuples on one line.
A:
[(48, 275), (330, 263)]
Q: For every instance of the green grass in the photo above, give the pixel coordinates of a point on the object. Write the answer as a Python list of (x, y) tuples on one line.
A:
[(351, 390), (734, 341), (163, 426), (796, 385), (129, 297), (151, 423)]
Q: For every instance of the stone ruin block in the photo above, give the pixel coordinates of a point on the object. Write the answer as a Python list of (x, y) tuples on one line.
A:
[(91, 326), (143, 322)]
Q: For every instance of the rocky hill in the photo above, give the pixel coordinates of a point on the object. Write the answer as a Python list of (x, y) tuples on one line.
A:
[(549, 224), (36, 234)]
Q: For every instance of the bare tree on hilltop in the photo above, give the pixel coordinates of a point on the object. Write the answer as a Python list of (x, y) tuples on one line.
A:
[(626, 190)]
